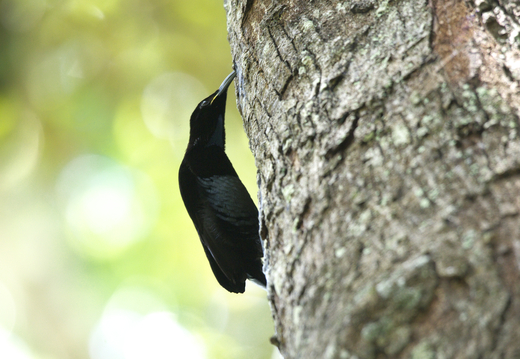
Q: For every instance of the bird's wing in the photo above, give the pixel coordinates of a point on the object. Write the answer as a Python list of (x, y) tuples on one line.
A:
[(229, 200), (230, 222), (211, 202), (234, 286)]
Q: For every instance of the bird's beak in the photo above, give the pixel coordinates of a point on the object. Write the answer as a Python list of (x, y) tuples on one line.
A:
[(225, 84)]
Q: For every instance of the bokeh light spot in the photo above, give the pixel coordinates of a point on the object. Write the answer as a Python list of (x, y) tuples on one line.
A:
[(123, 334), (141, 329), (104, 207), (53, 76), (108, 207), (7, 309), (167, 104), (12, 347)]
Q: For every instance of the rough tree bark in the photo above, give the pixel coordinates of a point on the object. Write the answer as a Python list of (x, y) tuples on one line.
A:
[(386, 139)]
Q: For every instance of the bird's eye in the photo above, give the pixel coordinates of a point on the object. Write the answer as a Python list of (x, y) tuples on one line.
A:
[(205, 102)]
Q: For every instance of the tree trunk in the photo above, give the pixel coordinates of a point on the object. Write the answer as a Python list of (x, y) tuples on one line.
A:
[(386, 139)]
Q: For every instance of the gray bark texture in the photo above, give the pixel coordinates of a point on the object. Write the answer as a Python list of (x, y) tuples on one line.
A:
[(385, 133)]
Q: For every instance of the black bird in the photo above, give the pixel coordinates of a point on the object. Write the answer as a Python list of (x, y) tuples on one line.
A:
[(219, 205)]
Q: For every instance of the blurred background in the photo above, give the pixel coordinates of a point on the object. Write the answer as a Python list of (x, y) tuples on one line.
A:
[(98, 257)]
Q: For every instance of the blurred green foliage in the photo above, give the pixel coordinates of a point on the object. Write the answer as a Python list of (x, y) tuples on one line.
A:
[(98, 258)]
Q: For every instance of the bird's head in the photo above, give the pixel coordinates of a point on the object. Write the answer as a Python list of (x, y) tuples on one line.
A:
[(207, 121)]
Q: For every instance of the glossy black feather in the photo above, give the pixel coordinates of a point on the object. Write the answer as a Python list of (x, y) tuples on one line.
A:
[(219, 205)]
